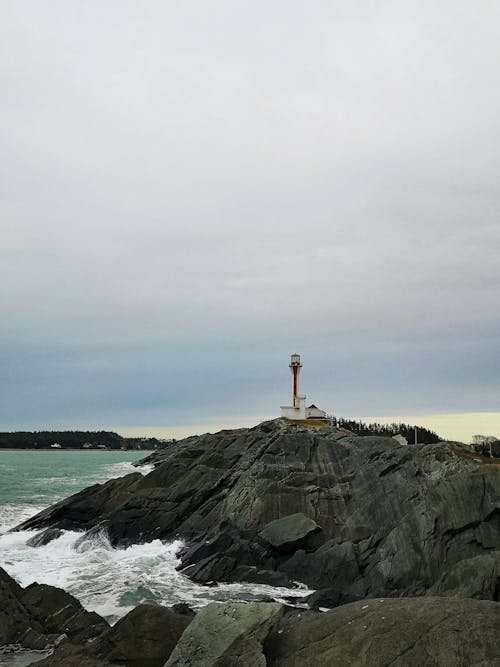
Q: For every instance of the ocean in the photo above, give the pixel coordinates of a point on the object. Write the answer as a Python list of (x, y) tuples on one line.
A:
[(106, 580)]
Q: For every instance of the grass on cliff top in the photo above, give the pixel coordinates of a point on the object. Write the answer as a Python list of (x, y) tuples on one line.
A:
[(307, 422)]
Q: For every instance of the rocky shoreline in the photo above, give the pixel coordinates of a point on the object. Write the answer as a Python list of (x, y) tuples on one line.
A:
[(375, 632), (371, 524)]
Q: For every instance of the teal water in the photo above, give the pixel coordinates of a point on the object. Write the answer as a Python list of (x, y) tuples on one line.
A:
[(106, 580), (31, 480)]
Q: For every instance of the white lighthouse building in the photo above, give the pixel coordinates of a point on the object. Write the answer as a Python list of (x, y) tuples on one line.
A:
[(298, 409)]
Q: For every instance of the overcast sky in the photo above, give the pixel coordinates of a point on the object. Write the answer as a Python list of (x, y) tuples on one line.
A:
[(191, 191)]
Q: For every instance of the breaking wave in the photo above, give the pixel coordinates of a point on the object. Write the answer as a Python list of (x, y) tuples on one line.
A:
[(113, 581)]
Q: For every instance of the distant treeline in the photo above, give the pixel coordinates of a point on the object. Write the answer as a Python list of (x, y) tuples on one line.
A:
[(424, 435), (73, 440)]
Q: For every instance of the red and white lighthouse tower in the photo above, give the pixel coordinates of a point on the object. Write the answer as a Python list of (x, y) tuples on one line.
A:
[(297, 410), (295, 367)]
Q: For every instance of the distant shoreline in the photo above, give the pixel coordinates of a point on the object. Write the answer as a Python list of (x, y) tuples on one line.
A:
[(69, 449)]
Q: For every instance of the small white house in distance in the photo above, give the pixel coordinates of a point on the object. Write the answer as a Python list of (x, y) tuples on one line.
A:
[(400, 438), (313, 412)]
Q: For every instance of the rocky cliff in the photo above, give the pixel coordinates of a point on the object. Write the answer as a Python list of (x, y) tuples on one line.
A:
[(284, 502)]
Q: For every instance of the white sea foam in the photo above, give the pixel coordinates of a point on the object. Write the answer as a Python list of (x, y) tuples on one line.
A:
[(11, 515), (113, 581), (119, 469)]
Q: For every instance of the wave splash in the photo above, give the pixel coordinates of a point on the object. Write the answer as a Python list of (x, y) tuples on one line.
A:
[(114, 581)]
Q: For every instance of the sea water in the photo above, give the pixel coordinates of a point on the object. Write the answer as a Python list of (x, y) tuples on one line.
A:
[(106, 580)]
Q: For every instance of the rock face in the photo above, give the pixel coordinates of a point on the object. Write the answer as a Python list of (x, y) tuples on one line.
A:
[(401, 632), (227, 634), (15, 620), (292, 532), (59, 612), (145, 637), (391, 520), (411, 632), (44, 537), (38, 615)]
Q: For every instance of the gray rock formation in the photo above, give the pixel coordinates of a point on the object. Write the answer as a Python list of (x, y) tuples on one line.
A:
[(145, 637), (44, 537), (292, 532), (394, 520), (39, 615), (400, 632), (477, 577), (227, 634), (403, 632)]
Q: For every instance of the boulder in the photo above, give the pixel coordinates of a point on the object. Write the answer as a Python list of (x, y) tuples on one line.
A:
[(226, 634), (15, 620), (291, 532), (40, 616), (401, 632), (477, 577), (71, 655), (183, 609), (44, 537), (145, 637), (59, 613)]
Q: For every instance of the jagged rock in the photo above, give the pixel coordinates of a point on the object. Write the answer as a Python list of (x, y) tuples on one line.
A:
[(71, 655), (329, 598), (59, 612), (145, 637), (226, 634), (44, 537), (396, 520), (183, 609), (85, 508), (227, 553), (38, 616), (477, 577), (401, 632), (253, 575), (291, 532), (14, 619), (333, 565), (96, 536)]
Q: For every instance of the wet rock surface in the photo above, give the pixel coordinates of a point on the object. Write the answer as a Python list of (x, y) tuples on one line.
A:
[(403, 632), (39, 616), (282, 502), (44, 537), (376, 632), (145, 637)]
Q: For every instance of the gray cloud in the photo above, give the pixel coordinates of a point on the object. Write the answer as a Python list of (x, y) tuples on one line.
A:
[(190, 192)]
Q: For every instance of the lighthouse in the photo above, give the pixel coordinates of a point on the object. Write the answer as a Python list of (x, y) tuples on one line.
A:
[(298, 408), (295, 367)]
